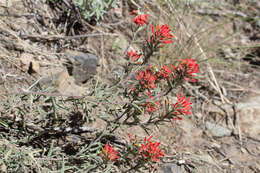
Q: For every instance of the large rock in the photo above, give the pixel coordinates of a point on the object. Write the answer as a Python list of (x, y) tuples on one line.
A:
[(246, 116)]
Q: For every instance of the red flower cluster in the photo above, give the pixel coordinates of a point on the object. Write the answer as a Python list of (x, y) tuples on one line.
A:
[(147, 149), (109, 153), (151, 150), (161, 34), (141, 19), (186, 69), (182, 106), (189, 67), (132, 54), (147, 78), (166, 71)]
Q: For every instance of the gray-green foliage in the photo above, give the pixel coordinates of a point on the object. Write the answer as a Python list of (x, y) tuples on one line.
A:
[(95, 8)]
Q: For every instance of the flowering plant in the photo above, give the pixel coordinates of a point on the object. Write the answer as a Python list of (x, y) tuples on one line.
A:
[(161, 35), (151, 150), (109, 153), (133, 56), (142, 83), (143, 94), (145, 150)]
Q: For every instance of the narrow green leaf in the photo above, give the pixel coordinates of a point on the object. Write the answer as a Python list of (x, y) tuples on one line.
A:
[(3, 123)]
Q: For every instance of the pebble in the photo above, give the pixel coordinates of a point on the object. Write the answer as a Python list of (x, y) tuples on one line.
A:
[(217, 130), (170, 168)]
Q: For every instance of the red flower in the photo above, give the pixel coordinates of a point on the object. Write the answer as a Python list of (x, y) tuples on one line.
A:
[(132, 88), (109, 153), (151, 106), (188, 67), (177, 118), (151, 150), (161, 34), (182, 106), (141, 19), (148, 93), (165, 72), (134, 55), (147, 78)]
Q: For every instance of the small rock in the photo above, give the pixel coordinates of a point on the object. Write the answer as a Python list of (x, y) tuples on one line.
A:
[(118, 72), (84, 65), (25, 60), (35, 67), (170, 168), (28, 63), (217, 130), (243, 150), (59, 80), (198, 115)]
